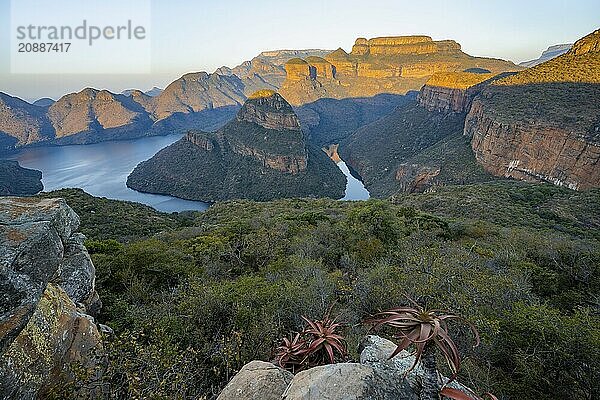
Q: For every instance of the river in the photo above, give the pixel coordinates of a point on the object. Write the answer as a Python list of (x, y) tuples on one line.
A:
[(101, 170)]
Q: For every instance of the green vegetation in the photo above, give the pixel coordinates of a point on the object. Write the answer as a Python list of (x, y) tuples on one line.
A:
[(186, 171), (329, 121), (18, 181), (104, 219), (191, 305), (412, 135), (458, 80)]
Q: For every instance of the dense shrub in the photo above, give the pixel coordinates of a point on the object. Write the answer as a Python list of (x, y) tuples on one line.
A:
[(190, 306)]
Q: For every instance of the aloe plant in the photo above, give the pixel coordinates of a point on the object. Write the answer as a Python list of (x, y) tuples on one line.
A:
[(427, 332), (318, 344)]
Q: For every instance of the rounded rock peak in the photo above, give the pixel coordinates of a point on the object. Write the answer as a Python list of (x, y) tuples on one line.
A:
[(296, 61), (361, 40), (262, 94), (316, 59)]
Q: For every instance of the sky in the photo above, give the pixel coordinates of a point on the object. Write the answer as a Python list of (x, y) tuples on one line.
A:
[(186, 36)]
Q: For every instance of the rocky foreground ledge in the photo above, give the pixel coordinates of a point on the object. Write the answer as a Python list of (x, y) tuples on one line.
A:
[(373, 378), (47, 297)]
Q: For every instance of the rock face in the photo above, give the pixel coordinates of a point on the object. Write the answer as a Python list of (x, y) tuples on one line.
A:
[(419, 145), (262, 154), (451, 91), (47, 281), (257, 380), (379, 65), (548, 54), (543, 124), (375, 377), (18, 181)]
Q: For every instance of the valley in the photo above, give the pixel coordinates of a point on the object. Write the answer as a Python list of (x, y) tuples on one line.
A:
[(405, 218)]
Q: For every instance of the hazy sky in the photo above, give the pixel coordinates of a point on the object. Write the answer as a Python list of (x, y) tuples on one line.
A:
[(203, 35)]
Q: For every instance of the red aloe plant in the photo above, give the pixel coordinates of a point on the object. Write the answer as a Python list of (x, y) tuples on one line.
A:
[(456, 394), (426, 330), (316, 345), (292, 353), (324, 341)]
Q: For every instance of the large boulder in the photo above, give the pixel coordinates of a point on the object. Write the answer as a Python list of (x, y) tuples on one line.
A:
[(348, 381), (47, 293), (257, 380)]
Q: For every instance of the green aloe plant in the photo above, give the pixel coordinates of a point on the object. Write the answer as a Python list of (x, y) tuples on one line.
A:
[(427, 332)]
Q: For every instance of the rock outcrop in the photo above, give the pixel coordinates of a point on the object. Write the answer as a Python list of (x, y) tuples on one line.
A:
[(18, 181), (543, 124), (257, 380), (261, 154), (374, 377), (451, 91), (48, 294), (379, 65)]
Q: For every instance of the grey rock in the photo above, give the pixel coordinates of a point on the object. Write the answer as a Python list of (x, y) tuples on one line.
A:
[(44, 272), (375, 352), (257, 380), (347, 381), (77, 275)]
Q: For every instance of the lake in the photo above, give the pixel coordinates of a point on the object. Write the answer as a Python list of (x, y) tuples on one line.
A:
[(101, 170)]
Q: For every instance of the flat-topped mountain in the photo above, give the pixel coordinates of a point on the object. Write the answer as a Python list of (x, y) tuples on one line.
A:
[(380, 65), (543, 124), (548, 54), (261, 154)]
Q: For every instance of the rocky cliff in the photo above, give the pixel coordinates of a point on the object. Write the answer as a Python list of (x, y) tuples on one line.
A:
[(419, 145), (18, 181), (262, 154), (47, 280), (543, 124), (379, 65), (22, 123), (451, 91)]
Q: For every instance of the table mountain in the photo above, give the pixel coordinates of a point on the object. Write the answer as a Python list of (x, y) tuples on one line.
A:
[(548, 54), (379, 65), (543, 124), (261, 154)]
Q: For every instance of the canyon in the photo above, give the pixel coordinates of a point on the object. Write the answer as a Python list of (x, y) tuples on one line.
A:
[(207, 101), (261, 154)]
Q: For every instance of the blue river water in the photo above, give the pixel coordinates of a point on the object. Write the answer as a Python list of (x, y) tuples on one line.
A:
[(101, 169)]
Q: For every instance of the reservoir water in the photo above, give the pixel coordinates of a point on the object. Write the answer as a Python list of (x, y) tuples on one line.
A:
[(101, 169)]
